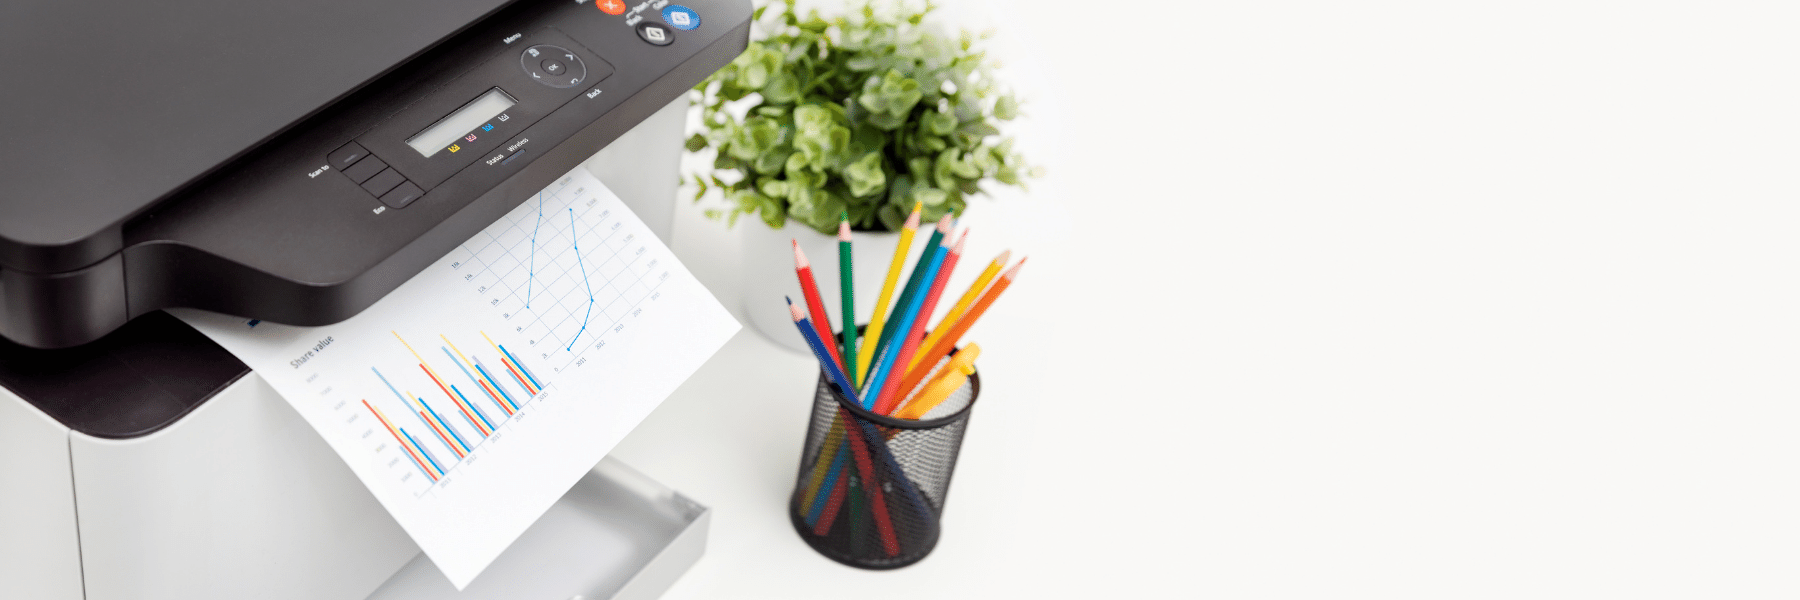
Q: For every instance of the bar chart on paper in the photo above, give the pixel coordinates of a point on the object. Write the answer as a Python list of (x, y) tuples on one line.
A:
[(484, 407), (491, 381)]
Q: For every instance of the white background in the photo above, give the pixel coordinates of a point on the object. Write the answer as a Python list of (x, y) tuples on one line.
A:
[(1334, 299)]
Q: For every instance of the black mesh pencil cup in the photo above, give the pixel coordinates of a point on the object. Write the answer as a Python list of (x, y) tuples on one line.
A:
[(871, 487)]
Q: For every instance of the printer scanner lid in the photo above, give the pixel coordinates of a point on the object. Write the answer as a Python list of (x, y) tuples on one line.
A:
[(109, 108)]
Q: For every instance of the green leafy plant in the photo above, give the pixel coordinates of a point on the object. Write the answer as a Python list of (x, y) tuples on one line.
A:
[(865, 113)]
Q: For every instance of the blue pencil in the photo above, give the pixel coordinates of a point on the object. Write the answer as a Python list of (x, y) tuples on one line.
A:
[(818, 347), (886, 355)]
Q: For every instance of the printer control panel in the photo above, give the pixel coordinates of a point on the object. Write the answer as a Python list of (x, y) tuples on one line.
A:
[(553, 66), (475, 119), (326, 218)]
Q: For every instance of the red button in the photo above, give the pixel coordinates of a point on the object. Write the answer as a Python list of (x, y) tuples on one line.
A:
[(611, 7)]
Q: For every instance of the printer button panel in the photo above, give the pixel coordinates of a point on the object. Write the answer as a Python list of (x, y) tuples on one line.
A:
[(364, 169), (345, 156), (402, 195), (553, 66), (386, 180)]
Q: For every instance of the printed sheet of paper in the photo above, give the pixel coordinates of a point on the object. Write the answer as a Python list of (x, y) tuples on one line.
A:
[(474, 396)]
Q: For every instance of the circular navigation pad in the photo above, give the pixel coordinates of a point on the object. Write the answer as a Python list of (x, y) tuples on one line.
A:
[(553, 66)]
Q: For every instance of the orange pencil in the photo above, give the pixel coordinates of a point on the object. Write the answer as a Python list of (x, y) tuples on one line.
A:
[(944, 344), (809, 289), (962, 304)]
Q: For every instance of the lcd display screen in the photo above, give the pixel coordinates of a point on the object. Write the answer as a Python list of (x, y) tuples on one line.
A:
[(451, 129)]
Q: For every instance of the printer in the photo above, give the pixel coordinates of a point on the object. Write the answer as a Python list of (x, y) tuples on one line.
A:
[(286, 161)]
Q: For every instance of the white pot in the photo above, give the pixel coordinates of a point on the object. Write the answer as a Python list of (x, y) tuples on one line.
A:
[(769, 274)]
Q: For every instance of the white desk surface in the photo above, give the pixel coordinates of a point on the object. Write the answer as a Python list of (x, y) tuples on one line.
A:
[(1404, 300)]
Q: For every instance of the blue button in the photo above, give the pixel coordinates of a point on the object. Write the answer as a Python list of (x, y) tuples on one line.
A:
[(681, 17)]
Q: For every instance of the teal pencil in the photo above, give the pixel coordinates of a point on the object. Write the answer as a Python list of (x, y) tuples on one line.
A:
[(887, 355), (847, 290), (913, 282)]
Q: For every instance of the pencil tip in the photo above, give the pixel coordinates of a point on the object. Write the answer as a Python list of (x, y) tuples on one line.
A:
[(958, 249), (946, 224), (843, 231), (1004, 256), (1014, 271), (794, 309), (912, 220), (917, 206), (799, 256)]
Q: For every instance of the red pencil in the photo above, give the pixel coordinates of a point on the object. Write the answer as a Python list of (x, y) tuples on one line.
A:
[(890, 389), (944, 344), (810, 290), (872, 486)]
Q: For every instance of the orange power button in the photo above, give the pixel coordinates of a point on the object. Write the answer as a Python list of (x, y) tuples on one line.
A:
[(611, 7)]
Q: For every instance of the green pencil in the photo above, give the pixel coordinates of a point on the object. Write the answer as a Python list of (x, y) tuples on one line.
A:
[(912, 282), (847, 289), (856, 514)]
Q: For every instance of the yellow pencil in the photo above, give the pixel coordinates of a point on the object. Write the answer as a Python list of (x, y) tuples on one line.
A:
[(961, 306), (939, 391), (867, 353)]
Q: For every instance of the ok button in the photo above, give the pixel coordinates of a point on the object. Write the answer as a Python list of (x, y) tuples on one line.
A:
[(554, 67)]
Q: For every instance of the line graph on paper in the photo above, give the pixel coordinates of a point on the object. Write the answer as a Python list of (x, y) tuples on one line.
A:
[(563, 270)]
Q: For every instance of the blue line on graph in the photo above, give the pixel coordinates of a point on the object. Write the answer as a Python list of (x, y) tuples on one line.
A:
[(445, 425), (409, 458), (483, 416), (471, 376), (472, 425), (410, 409), (479, 368), (576, 236), (422, 450), (531, 269), (515, 360)]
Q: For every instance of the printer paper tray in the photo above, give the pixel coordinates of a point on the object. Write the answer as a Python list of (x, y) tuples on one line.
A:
[(617, 535)]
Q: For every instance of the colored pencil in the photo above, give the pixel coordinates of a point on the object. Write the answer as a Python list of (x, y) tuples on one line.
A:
[(847, 293), (809, 288), (859, 447), (859, 450), (811, 334), (889, 396), (884, 367), (858, 515), (938, 391), (944, 344), (821, 467), (834, 478), (866, 359), (962, 305), (964, 357), (826, 510), (913, 283), (862, 437)]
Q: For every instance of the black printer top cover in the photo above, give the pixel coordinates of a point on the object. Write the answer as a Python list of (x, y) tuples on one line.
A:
[(107, 108)]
